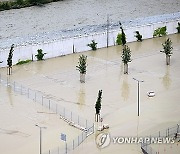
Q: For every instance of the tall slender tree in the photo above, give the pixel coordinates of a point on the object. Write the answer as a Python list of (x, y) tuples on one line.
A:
[(9, 60), (123, 38), (98, 105)]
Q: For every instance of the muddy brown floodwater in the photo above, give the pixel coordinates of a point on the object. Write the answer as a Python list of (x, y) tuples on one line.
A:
[(59, 79)]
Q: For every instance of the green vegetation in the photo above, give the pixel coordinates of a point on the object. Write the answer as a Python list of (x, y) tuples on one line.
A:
[(167, 49), (93, 45), (138, 36), (82, 64), (178, 28), (98, 102), (121, 37), (17, 4), (40, 54), (20, 62), (126, 58), (161, 31), (9, 60), (126, 54)]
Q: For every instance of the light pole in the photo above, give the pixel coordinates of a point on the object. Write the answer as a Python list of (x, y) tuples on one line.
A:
[(138, 92), (40, 128)]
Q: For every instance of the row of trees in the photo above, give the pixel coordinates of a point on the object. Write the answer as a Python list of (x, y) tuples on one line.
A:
[(126, 58)]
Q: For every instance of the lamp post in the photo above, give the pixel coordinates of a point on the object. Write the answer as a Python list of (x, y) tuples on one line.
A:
[(138, 91), (40, 128)]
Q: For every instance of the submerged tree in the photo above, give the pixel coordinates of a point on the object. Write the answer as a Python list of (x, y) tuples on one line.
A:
[(167, 49), (82, 67), (9, 60), (98, 106), (126, 58)]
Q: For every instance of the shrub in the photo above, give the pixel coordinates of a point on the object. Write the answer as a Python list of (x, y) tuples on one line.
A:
[(92, 45), (178, 28), (40, 54), (20, 2), (20, 62), (138, 36), (161, 31), (5, 6), (119, 39)]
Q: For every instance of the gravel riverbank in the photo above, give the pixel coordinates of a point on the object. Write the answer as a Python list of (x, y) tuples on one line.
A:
[(73, 18)]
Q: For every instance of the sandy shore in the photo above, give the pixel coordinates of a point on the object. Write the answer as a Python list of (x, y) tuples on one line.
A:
[(37, 22)]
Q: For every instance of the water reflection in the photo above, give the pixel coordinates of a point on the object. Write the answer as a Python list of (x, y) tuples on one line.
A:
[(166, 79), (9, 91), (81, 96), (125, 88)]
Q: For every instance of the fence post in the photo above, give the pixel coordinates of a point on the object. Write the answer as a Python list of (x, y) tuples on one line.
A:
[(56, 108), (28, 92), (49, 104), (78, 119), (64, 111), (86, 123), (168, 131), (159, 134), (35, 96), (14, 86), (71, 115), (42, 100), (78, 140), (73, 144), (49, 152), (7, 81), (21, 89), (177, 128)]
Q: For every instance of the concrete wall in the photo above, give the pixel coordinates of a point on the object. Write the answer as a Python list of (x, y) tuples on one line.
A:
[(65, 46)]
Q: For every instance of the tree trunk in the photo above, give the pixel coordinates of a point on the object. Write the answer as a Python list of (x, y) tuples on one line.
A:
[(82, 78), (167, 60), (125, 68), (9, 70), (97, 117)]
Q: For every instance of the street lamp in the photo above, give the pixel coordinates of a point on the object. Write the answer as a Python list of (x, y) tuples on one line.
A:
[(138, 92), (40, 135)]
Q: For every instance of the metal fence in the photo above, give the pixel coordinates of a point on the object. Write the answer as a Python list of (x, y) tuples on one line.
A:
[(68, 116), (170, 132)]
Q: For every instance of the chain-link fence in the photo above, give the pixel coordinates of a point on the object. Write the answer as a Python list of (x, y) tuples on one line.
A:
[(68, 116), (170, 132)]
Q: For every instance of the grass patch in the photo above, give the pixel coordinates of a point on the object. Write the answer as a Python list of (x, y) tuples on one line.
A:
[(17, 4), (20, 62), (159, 32)]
